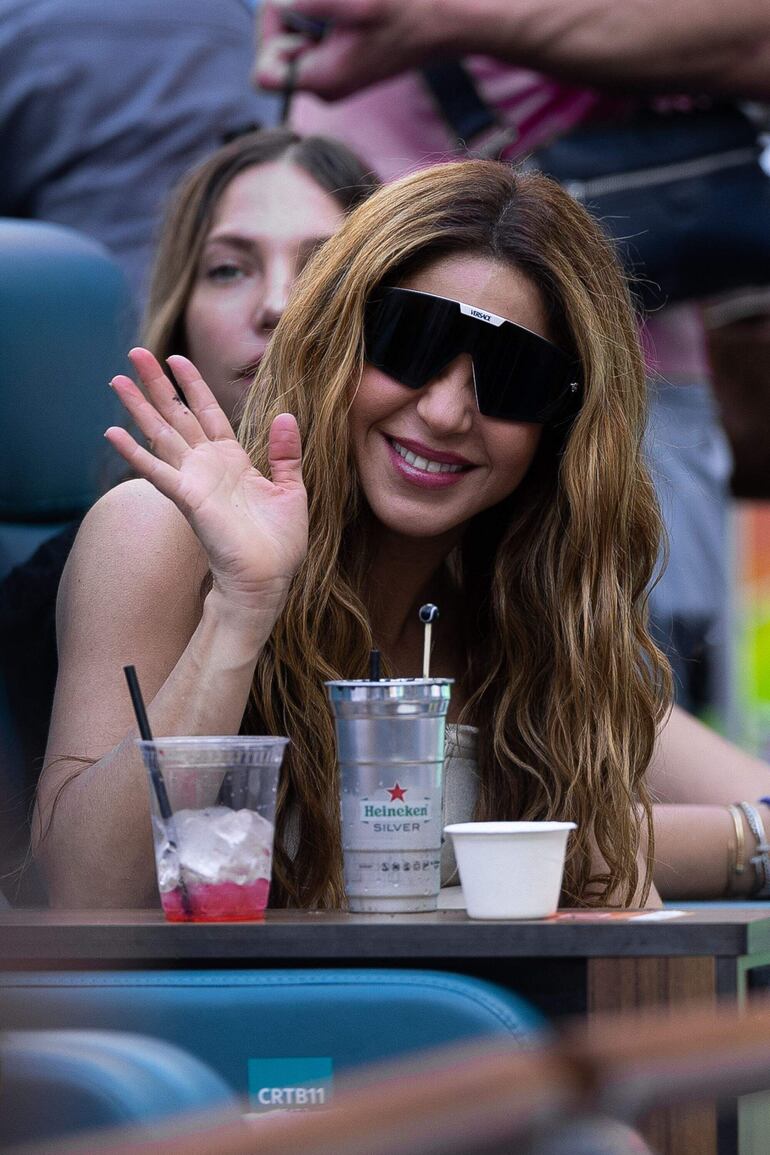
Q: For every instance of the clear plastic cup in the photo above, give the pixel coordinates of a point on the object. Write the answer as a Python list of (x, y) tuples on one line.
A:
[(212, 804), (510, 869)]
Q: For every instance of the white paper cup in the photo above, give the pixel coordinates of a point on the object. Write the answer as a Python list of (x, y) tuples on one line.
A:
[(510, 869)]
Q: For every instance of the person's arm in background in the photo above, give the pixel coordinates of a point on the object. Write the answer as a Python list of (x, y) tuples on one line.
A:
[(664, 45)]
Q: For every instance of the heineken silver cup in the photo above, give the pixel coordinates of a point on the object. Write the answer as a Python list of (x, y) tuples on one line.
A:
[(390, 749)]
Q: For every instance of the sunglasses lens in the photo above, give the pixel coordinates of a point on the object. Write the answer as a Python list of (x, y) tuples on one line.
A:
[(519, 376), (410, 336)]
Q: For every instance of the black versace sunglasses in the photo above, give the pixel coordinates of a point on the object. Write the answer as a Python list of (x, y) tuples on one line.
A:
[(517, 375)]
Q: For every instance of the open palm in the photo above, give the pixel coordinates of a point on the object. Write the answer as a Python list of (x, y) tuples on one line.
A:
[(253, 528)]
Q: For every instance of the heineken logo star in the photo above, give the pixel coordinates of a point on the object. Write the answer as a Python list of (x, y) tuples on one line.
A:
[(396, 792)]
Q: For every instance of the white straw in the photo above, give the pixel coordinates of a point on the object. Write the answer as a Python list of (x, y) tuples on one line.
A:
[(428, 615), (426, 650)]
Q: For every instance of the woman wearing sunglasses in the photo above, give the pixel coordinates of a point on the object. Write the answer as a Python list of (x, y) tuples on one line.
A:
[(461, 360)]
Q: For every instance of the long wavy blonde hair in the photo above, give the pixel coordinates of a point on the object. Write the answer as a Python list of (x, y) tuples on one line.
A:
[(563, 680)]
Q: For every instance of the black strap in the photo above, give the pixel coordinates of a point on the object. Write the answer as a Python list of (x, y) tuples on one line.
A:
[(461, 105)]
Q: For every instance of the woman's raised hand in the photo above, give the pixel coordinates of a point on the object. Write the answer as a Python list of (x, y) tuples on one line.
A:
[(253, 528)]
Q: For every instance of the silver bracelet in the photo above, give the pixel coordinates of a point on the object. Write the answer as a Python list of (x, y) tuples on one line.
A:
[(760, 860)]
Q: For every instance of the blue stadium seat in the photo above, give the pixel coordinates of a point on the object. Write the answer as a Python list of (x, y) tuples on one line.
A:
[(65, 321), (59, 1083), (266, 1031)]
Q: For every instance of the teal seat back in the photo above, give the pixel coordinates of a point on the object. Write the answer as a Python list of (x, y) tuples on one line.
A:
[(65, 325), (60, 1083), (265, 1032)]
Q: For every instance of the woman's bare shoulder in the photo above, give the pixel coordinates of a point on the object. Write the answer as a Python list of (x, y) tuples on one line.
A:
[(134, 545), (136, 507), (134, 524)]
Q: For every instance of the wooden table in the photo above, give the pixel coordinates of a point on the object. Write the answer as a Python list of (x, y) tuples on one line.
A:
[(582, 963)]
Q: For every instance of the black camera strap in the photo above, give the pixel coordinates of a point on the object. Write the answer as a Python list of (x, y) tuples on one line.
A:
[(475, 125)]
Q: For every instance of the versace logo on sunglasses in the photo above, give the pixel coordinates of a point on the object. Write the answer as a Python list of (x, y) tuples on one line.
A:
[(517, 374), (490, 318)]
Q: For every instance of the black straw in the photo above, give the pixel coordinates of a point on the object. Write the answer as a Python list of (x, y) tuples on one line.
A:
[(288, 93), (137, 700), (313, 31), (143, 722), (374, 666)]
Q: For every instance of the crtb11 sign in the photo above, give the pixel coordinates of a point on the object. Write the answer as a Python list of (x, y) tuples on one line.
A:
[(289, 1084)]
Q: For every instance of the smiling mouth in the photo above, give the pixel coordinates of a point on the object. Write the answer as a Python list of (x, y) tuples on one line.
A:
[(425, 463)]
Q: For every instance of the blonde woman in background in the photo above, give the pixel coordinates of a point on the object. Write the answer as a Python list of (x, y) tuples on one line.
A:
[(238, 230), (462, 361)]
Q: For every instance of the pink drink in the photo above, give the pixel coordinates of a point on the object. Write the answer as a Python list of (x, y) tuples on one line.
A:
[(218, 902), (225, 858)]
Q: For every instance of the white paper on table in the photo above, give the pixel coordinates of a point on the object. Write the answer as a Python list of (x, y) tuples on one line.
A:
[(658, 915)]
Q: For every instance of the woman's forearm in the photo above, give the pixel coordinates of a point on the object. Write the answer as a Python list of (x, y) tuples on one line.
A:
[(697, 850), (662, 45), (92, 831), (694, 775), (649, 45)]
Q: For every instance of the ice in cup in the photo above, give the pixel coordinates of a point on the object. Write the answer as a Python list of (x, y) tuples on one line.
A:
[(510, 869), (390, 750), (213, 816)]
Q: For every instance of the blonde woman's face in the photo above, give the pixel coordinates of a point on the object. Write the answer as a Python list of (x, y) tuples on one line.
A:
[(269, 221), (400, 436)]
